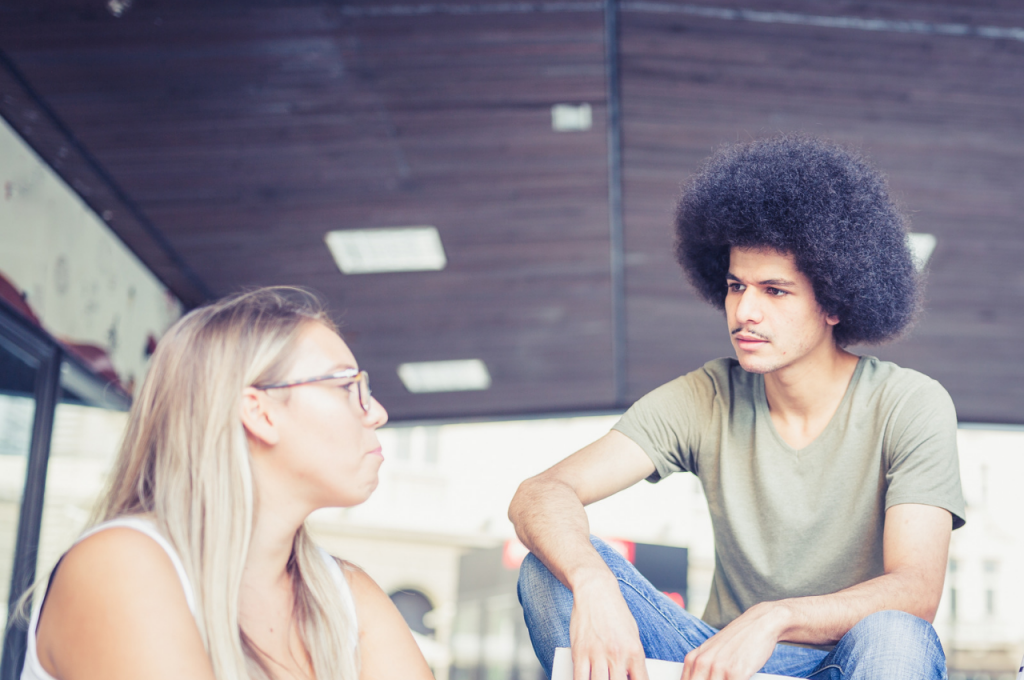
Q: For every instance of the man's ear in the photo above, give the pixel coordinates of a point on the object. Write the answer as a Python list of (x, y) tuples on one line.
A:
[(257, 416), (831, 319)]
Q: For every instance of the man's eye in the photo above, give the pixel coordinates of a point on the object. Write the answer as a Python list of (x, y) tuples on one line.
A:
[(735, 287), (776, 292)]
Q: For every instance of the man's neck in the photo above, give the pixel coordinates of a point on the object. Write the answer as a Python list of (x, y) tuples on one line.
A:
[(803, 397)]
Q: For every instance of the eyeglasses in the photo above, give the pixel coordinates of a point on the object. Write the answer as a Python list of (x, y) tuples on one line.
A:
[(361, 379)]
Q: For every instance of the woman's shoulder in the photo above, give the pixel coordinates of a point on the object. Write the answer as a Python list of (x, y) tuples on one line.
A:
[(359, 582), (112, 601), (361, 585), (122, 554), (121, 545), (386, 646)]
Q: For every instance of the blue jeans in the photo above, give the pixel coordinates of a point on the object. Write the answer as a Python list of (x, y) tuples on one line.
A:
[(888, 645)]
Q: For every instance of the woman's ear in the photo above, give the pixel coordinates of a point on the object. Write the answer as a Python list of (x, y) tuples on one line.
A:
[(258, 417)]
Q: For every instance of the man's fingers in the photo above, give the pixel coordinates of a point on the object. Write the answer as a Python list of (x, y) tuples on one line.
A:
[(605, 639), (615, 667), (581, 669), (697, 665), (705, 664), (637, 668)]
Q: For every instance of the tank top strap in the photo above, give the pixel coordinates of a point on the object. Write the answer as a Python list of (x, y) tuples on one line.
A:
[(346, 593)]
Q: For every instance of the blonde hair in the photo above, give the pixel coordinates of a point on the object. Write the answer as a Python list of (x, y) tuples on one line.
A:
[(185, 461)]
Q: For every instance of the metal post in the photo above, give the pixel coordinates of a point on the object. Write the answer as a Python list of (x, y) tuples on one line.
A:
[(615, 211)]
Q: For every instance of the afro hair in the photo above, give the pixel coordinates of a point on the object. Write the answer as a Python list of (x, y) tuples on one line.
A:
[(818, 201)]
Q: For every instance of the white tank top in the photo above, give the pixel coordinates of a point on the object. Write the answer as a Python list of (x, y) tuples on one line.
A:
[(33, 670)]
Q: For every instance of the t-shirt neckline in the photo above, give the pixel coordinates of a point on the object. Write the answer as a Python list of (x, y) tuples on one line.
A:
[(761, 399)]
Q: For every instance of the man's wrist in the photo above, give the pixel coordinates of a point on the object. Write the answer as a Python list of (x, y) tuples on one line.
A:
[(591, 577), (782, 618)]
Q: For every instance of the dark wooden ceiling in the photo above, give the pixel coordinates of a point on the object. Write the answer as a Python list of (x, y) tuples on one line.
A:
[(221, 140)]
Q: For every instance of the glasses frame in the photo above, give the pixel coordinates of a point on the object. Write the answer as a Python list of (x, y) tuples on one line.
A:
[(361, 379)]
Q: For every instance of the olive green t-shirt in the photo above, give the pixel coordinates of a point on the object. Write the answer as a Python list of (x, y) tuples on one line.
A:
[(792, 523)]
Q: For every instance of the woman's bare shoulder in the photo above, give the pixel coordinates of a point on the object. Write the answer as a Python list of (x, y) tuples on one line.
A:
[(386, 645), (367, 595), (116, 608)]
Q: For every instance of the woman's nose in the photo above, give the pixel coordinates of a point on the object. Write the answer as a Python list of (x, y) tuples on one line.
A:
[(377, 415)]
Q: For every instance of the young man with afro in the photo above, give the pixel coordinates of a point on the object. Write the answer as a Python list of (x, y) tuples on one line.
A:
[(832, 479)]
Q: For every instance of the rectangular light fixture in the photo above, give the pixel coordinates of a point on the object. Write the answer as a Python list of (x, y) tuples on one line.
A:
[(445, 376), (390, 249), (571, 118)]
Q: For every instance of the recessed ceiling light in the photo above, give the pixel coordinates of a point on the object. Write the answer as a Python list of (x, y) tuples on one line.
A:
[(392, 249), (571, 118), (445, 376), (921, 248)]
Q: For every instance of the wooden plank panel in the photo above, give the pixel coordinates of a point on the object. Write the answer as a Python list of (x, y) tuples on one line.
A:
[(246, 135), (941, 115)]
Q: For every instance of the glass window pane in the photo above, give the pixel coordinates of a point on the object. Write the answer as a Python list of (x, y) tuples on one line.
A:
[(82, 451), (17, 411)]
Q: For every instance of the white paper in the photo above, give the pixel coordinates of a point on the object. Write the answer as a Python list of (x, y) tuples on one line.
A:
[(561, 669)]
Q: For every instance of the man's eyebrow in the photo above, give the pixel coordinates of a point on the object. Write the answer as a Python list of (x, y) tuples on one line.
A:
[(766, 282)]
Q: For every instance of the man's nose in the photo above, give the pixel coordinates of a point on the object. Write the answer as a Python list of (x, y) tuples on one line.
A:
[(749, 307)]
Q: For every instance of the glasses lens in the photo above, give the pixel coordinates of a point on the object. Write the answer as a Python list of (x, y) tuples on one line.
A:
[(364, 390)]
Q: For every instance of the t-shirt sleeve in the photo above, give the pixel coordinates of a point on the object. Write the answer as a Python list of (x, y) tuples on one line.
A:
[(923, 465), (668, 423)]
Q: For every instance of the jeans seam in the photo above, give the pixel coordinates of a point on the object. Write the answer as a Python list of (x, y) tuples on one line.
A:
[(825, 668), (657, 608)]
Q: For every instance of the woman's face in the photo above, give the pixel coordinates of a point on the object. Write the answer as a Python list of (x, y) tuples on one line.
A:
[(327, 450)]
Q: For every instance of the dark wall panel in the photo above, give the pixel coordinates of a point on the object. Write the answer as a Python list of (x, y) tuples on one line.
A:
[(941, 115), (246, 134)]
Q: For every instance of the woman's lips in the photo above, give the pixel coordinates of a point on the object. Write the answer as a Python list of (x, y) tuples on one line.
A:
[(376, 452)]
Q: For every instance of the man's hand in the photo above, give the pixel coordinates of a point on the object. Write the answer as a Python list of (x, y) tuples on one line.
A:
[(605, 639), (740, 649), (916, 544), (548, 515)]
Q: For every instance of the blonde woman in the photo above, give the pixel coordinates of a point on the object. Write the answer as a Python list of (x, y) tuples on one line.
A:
[(253, 415)]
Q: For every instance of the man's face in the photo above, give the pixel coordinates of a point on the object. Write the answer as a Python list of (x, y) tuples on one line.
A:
[(774, 318)]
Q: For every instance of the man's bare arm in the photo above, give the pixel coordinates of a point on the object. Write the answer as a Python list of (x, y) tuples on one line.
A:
[(915, 548), (549, 518)]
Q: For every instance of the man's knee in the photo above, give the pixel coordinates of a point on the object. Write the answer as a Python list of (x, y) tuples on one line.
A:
[(896, 625), (540, 593), (532, 575), (897, 645)]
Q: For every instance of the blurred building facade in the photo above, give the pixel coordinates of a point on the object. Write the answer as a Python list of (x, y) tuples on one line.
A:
[(440, 509)]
